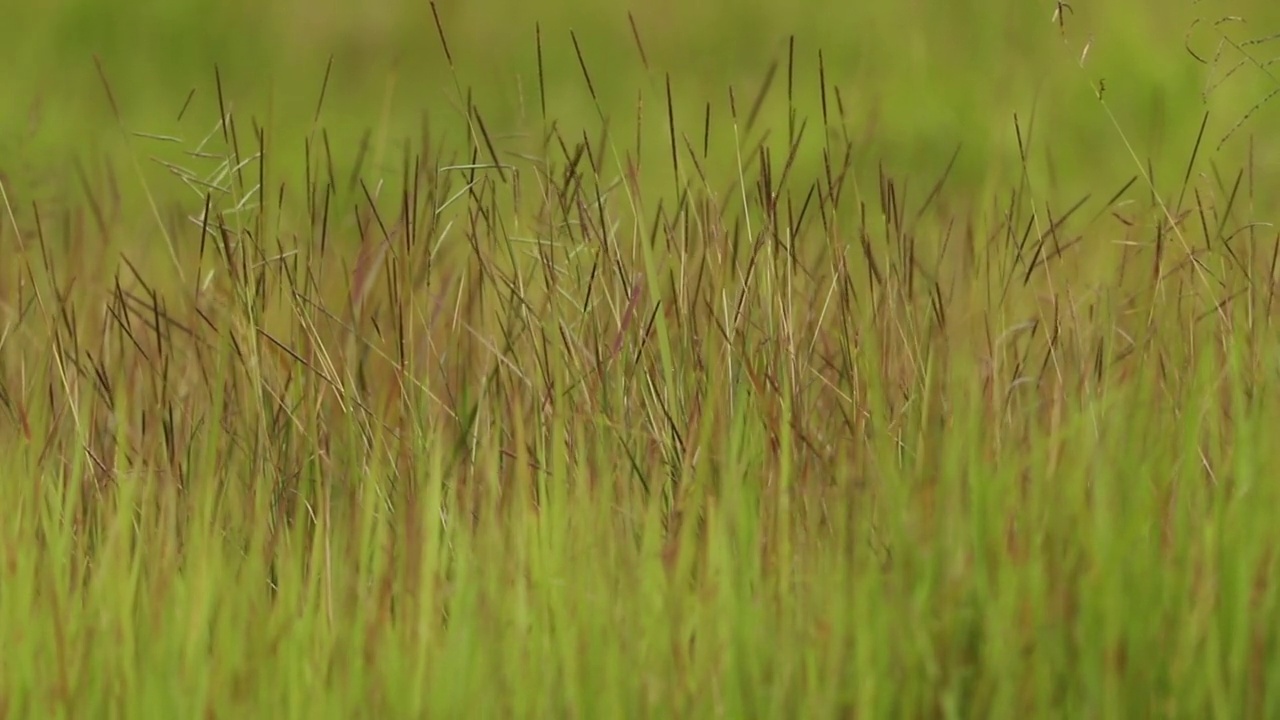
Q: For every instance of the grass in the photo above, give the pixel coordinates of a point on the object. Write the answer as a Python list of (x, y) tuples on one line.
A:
[(682, 405)]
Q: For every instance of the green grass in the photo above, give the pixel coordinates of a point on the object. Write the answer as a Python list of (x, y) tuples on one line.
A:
[(799, 364)]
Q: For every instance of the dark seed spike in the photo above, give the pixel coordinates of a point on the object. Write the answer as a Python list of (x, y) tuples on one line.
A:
[(822, 90), (1191, 162), (791, 75), (488, 143), (1271, 277), (186, 104), (324, 86), (639, 128), (635, 34), (582, 63), (444, 43), (671, 125), (111, 98), (222, 104), (706, 131), (542, 83)]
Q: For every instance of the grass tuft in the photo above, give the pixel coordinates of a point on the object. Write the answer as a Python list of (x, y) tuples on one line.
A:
[(674, 406)]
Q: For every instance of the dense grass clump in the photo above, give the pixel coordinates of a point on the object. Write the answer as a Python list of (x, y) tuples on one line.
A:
[(690, 409)]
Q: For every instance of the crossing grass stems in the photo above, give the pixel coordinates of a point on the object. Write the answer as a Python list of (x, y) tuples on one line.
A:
[(556, 429)]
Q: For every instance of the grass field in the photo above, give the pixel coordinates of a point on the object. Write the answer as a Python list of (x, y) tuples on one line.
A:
[(685, 360)]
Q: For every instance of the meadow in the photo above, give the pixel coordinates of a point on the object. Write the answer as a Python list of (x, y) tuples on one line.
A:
[(681, 360)]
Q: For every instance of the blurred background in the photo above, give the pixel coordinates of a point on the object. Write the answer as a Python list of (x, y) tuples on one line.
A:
[(917, 79)]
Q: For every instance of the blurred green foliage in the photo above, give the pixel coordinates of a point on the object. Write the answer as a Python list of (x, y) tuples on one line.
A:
[(918, 79)]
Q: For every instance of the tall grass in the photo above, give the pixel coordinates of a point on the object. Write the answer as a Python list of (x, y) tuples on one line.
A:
[(676, 415)]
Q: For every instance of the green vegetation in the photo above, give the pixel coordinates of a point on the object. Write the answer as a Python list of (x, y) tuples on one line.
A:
[(708, 360)]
